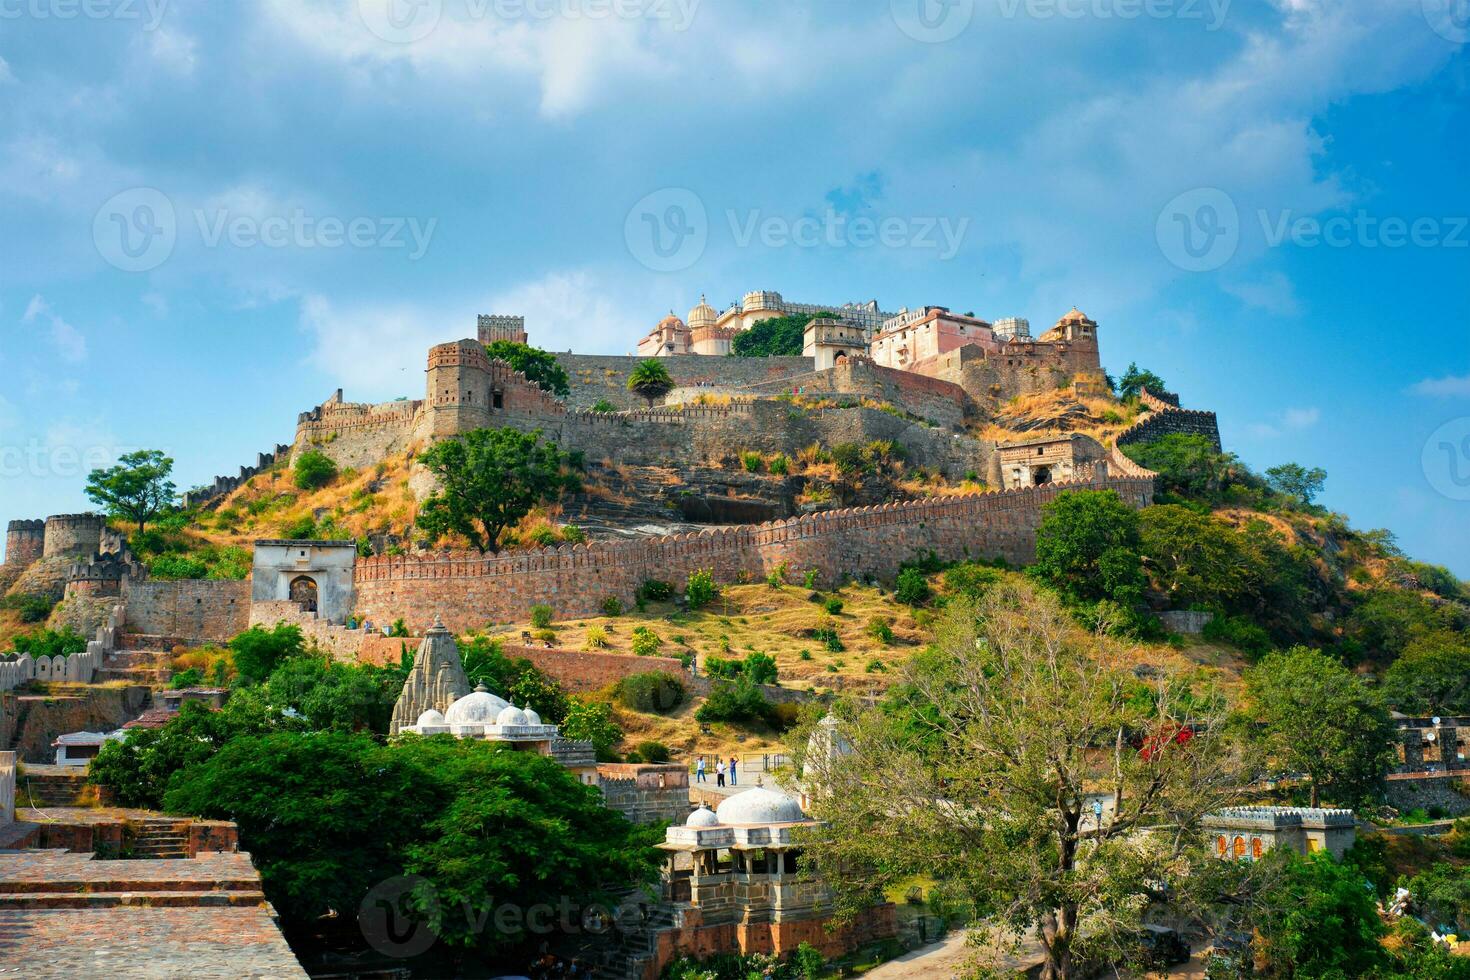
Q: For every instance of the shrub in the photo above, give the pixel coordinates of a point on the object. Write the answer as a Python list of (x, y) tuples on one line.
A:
[(301, 529), (876, 666), (192, 677), (645, 641), (760, 668), (657, 692), (654, 752), (596, 638), (603, 405), (737, 702), (828, 635), (541, 615), (722, 667), (258, 651), (970, 579), (779, 465), (777, 576), (700, 589), (314, 470), (612, 606), (805, 655), (809, 580), (833, 605), (655, 591), (751, 461), (1240, 633), (912, 588), (572, 534), (32, 608), (880, 628)]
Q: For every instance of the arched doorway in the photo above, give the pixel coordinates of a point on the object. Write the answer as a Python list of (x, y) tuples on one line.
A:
[(303, 592), (1040, 476)]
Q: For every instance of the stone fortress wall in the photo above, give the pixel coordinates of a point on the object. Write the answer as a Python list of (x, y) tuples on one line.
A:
[(468, 591), (25, 542), (1165, 418), (73, 535), (225, 484)]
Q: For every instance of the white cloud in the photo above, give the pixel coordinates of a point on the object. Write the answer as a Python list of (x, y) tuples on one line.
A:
[(172, 51), (5, 73), (380, 350), (1449, 386), (1291, 420), (1273, 293), (67, 339)]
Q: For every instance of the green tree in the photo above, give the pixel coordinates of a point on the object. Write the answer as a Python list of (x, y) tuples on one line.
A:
[(591, 721), (314, 470), (1189, 466), (489, 479), (515, 679), (1087, 547), (991, 749), (539, 367), (137, 489), (1296, 481), (1317, 919), (1432, 677), (1318, 718), (258, 651), (777, 336), (650, 380), (1193, 558), (1135, 379), (333, 696), (1442, 896)]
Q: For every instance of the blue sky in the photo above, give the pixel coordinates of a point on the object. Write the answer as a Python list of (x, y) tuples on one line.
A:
[(216, 213)]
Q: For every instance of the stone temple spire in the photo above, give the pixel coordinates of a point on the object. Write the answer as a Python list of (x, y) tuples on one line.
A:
[(436, 681)]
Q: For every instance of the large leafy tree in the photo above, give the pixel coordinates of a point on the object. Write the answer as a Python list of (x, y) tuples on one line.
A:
[(1296, 481), (982, 768), (1316, 917), (777, 336), (515, 679), (1432, 677), (650, 380), (539, 367), (1194, 558), (1087, 547), (489, 479), (1189, 465), (1135, 379), (137, 489), (1318, 718)]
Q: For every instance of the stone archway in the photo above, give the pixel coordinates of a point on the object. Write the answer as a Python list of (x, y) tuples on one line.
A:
[(303, 592), (1040, 476)]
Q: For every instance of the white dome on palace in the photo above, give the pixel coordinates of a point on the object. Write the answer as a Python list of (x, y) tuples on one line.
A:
[(703, 817), (532, 718), (759, 806), (479, 707), (511, 716), (702, 315), (430, 719)]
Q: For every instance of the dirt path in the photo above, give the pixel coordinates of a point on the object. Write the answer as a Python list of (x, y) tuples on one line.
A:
[(945, 959)]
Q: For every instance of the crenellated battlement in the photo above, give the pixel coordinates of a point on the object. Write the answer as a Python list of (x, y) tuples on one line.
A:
[(1165, 417), (223, 485), (76, 535)]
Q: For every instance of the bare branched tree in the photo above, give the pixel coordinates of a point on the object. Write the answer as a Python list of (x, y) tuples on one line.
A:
[(986, 766)]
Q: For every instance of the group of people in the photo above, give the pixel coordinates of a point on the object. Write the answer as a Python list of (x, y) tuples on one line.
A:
[(720, 770)]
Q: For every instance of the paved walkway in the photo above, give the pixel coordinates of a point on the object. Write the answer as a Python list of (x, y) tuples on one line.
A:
[(947, 958)]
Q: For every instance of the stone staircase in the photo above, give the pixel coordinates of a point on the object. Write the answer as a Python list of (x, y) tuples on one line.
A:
[(52, 786), (627, 954), (148, 667), (161, 839), (49, 880)]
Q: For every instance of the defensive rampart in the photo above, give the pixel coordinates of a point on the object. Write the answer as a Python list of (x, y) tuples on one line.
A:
[(1166, 418), (469, 591)]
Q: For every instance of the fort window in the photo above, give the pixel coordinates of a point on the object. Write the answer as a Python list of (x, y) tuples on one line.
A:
[(497, 399), (1256, 849), (1239, 848)]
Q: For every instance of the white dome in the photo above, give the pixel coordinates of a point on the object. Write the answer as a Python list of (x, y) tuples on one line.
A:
[(759, 806), (430, 719), (703, 817), (510, 715), (532, 718), (479, 707)]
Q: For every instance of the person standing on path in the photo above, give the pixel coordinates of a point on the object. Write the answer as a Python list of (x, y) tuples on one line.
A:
[(734, 760), (699, 771), (720, 772)]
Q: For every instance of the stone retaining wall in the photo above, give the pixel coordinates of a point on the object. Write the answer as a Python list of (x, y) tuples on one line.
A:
[(470, 591), (200, 610)]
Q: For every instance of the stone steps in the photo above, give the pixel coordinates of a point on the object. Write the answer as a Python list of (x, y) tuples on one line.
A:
[(82, 886), (52, 788), (153, 898)]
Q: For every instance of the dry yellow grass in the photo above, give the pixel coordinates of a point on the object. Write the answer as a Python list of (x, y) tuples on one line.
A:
[(1051, 404)]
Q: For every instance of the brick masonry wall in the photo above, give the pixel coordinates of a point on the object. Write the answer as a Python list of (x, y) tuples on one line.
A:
[(192, 609), (471, 590), (582, 671), (597, 377)]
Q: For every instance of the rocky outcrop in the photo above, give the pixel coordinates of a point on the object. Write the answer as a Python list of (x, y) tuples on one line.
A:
[(436, 681)]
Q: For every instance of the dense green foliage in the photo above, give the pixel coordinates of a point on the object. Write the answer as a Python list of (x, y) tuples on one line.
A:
[(313, 470), (700, 590), (258, 650), (489, 479), (539, 367), (1087, 547), (592, 721), (137, 489), (1135, 379), (777, 336), (650, 380), (739, 702), (1320, 921), (50, 643), (657, 692), (757, 668)]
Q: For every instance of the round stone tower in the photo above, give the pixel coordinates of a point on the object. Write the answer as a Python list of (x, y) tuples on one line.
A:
[(73, 535), (25, 541)]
